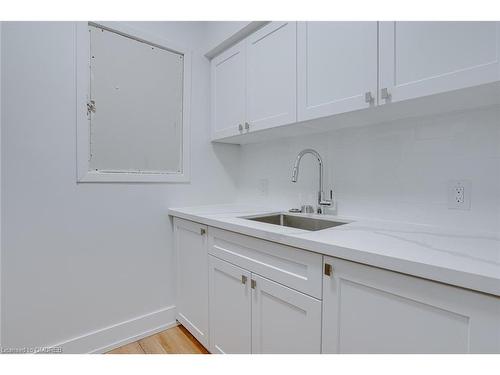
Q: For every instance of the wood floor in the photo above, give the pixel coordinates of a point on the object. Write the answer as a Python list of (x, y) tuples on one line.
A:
[(176, 340)]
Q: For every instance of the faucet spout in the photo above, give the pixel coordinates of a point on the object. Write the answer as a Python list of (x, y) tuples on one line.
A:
[(295, 175)]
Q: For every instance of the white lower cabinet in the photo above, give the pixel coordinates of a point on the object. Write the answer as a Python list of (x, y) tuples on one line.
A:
[(230, 307), (284, 321), (240, 294), (251, 314), (371, 310), (284, 302), (192, 277)]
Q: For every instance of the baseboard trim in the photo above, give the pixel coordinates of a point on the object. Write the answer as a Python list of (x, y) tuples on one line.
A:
[(114, 336), (199, 335)]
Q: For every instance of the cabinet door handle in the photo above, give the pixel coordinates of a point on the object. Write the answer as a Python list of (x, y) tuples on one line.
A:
[(243, 279), (369, 97), (385, 94), (328, 269), (247, 126), (240, 127), (253, 283), (202, 231)]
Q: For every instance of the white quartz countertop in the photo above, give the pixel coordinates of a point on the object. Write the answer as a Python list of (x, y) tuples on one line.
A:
[(467, 260)]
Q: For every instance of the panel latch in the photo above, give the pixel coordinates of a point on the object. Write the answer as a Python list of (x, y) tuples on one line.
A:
[(91, 107)]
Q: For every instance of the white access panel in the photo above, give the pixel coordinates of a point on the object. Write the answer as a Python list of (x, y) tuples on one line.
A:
[(138, 92)]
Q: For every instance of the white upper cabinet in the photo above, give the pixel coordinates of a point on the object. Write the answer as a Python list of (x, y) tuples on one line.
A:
[(289, 72), (228, 91), (424, 58), (271, 76), (337, 67)]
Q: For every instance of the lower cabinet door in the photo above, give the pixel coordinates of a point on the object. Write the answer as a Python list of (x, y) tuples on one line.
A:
[(284, 320), (371, 310), (192, 277), (230, 307)]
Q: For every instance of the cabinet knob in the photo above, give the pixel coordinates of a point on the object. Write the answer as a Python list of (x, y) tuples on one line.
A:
[(369, 97), (385, 94), (328, 269), (202, 231), (240, 127), (247, 126), (243, 279)]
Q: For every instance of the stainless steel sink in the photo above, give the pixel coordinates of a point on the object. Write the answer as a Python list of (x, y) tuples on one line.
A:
[(296, 221)]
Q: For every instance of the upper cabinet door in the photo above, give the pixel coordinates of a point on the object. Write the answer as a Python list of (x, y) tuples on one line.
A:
[(424, 58), (228, 91), (271, 76), (337, 67)]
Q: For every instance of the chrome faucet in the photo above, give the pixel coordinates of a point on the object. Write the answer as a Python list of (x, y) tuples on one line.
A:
[(322, 201)]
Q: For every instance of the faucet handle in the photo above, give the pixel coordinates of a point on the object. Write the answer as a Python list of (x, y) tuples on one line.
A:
[(307, 209), (323, 202)]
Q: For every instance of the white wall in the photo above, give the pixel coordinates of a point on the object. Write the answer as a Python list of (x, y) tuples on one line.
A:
[(396, 170), (82, 257)]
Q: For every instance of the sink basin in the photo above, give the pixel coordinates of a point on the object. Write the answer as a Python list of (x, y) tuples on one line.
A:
[(296, 221)]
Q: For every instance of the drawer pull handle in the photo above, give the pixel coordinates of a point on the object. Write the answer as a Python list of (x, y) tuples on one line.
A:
[(243, 279), (253, 284), (328, 269), (202, 231)]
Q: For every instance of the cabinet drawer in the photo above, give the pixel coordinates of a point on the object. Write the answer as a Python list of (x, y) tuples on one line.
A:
[(295, 268)]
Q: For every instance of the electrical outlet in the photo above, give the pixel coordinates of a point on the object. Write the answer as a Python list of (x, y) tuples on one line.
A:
[(459, 194)]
